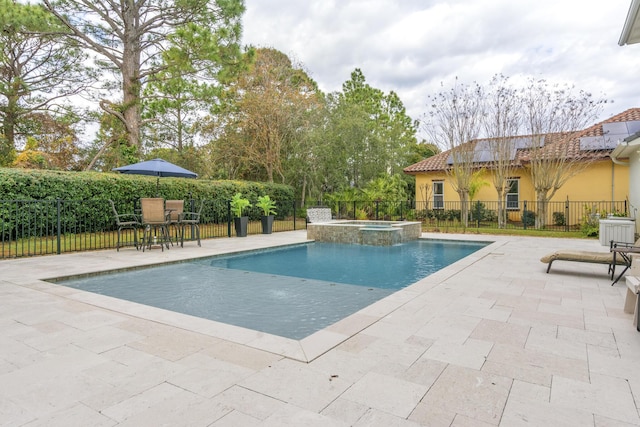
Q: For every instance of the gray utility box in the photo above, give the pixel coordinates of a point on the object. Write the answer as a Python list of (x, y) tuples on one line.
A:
[(618, 229)]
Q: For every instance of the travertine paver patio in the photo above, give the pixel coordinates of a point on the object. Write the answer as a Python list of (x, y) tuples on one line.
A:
[(491, 340)]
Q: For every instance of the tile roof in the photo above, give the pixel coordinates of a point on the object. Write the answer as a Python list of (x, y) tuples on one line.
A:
[(553, 142)]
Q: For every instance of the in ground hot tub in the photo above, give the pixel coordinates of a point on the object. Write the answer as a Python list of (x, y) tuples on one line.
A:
[(375, 233)]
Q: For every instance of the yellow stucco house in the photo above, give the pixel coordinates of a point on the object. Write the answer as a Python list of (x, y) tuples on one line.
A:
[(601, 180)]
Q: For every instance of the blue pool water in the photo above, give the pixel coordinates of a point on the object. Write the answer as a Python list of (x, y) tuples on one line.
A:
[(291, 292)]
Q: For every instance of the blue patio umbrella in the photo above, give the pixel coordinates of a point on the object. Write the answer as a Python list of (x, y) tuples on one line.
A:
[(158, 168)]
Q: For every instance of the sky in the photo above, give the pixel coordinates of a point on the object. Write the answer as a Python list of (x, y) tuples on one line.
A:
[(417, 48)]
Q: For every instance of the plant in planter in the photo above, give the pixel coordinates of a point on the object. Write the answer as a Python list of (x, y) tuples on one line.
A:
[(268, 207), (238, 205)]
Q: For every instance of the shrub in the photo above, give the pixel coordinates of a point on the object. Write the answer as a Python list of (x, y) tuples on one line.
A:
[(361, 215), (590, 226), (528, 218), (558, 218), (443, 215), (480, 213)]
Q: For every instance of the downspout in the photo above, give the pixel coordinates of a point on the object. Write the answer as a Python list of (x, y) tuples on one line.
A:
[(613, 185)]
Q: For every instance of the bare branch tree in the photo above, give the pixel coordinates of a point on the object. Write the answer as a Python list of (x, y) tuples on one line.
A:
[(501, 124), (453, 122), (554, 116)]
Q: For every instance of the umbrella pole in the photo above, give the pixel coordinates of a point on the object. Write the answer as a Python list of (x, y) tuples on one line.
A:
[(155, 230)]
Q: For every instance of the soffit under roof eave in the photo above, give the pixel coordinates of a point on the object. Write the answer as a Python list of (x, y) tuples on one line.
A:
[(625, 148), (631, 29)]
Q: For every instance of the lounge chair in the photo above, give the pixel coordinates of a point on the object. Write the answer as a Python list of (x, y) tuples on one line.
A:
[(126, 222), (619, 254), (584, 256)]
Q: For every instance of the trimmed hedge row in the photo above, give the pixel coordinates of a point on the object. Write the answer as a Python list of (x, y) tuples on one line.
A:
[(89, 192), (20, 184)]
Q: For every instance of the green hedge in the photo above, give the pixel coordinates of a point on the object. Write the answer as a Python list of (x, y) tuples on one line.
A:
[(20, 184), (95, 188)]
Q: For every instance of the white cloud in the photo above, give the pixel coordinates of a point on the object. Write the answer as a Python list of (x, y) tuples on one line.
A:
[(411, 46)]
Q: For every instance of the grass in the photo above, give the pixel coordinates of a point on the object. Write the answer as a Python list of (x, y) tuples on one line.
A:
[(506, 231)]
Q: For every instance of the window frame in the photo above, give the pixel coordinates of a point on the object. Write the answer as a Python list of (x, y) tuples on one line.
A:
[(512, 205), (438, 197)]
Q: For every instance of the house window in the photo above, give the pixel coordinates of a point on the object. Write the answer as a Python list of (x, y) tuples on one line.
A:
[(438, 195), (513, 194)]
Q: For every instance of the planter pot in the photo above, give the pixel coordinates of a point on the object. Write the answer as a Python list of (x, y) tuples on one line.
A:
[(267, 224), (241, 225)]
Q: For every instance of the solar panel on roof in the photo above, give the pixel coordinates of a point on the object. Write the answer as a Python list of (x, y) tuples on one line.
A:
[(528, 142), (484, 150), (613, 134), (482, 156), (589, 143), (633, 127), (617, 128)]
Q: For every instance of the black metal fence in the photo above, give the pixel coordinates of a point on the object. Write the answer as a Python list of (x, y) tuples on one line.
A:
[(559, 216), (42, 227)]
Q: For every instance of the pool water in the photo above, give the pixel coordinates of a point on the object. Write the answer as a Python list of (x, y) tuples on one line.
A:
[(291, 292), (389, 267)]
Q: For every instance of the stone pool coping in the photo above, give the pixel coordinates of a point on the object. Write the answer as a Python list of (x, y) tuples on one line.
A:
[(522, 347), (304, 350)]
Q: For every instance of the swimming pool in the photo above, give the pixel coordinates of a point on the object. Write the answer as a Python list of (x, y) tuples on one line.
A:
[(290, 292)]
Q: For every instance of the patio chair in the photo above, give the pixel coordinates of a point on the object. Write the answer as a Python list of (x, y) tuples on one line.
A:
[(174, 209), (154, 220), (126, 222), (191, 219)]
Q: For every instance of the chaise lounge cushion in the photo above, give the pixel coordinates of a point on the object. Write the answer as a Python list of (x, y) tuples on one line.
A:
[(581, 256)]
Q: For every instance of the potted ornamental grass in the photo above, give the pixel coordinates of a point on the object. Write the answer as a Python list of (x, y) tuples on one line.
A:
[(238, 205), (268, 207)]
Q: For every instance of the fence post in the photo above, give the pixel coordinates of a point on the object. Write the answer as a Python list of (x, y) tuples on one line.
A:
[(228, 218), (59, 225), (566, 215), (524, 216), (354, 209), (294, 214), (377, 207), (192, 207)]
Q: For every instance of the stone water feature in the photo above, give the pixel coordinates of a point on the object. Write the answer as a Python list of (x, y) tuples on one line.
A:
[(374, 233)]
